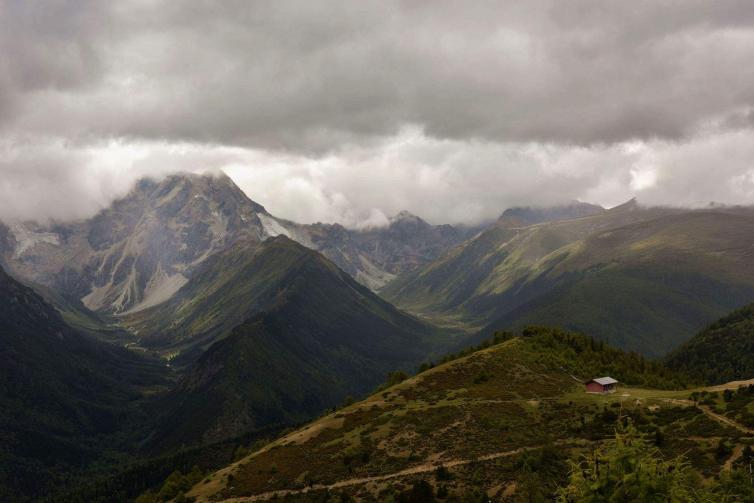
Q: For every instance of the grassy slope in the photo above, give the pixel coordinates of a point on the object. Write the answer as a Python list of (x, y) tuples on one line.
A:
[(239, 283), (722, 352), (640, 279), (471, 281), (483, 407), (323, 338), (646, 286), (230, 287)]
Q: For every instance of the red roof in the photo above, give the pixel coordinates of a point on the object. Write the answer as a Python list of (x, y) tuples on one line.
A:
[(604, 381)]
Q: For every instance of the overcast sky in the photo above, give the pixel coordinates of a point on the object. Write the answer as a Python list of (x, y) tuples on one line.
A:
[(351, 111)]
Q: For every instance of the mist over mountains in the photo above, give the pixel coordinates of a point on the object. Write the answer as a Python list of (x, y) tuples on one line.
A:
[(141, 250)]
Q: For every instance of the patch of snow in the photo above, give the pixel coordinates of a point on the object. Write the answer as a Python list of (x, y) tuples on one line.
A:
[(302, 236), (127, 292), (272, 227)]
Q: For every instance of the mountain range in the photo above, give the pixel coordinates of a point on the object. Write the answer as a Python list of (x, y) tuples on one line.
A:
[(141, 250), (190, 272), (185, 316)]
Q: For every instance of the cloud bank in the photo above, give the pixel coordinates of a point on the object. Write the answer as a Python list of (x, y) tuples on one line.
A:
[(351, 111)]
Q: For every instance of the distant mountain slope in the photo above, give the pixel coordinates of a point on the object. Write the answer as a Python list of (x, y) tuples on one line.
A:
[(322, 336), (502, 422), (522, 216), (238, 283), (376, 256), (61, 394), (477, 280), (646, 286), (724, 351), (640, 278)]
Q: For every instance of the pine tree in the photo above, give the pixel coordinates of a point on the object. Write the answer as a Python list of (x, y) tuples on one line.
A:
[(630, 469)]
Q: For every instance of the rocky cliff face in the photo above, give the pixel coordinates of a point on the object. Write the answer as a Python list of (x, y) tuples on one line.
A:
[(376, 256)]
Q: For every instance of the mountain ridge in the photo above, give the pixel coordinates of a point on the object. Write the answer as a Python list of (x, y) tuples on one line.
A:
[(523, 216), (320, 337), (502, 423), (721, 352), (581, 273)]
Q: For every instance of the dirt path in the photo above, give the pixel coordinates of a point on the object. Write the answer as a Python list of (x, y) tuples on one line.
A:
[(725, 420), (712, 415), (737, 451), (414, 470), (432, 466)]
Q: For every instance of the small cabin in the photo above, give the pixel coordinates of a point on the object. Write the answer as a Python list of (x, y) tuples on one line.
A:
[(601, 385)]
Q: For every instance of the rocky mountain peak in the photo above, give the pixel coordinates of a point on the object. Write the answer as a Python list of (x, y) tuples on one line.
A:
[(143, 248), (215, 186), (405, 217)]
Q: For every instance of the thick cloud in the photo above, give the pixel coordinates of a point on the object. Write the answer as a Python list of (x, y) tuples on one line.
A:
[(349, 111), (301, 75)]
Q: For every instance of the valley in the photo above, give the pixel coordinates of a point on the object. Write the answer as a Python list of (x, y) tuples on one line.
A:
[(226, 325), (67, 402)]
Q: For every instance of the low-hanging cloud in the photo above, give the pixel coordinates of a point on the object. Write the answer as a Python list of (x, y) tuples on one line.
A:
[(444, 181), (351, 111)]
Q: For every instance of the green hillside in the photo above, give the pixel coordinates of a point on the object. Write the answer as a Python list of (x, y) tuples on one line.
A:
[(642, 279), (477, 280), (322, 338), (724, 351), (504, 422), (230, 287), (647, 286), (245, 280)]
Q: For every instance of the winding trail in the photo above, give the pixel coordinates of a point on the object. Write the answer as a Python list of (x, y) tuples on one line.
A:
[(414, 470), (737, 452), (434, 465), (725, 420), (712, 415)]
